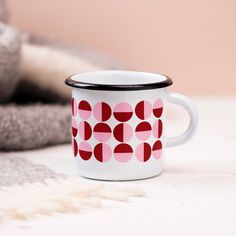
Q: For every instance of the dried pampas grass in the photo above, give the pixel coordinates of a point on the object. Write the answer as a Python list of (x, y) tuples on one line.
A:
[(69, 195)]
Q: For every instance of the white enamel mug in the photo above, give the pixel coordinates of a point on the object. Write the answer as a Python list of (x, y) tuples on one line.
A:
[(119, 123)]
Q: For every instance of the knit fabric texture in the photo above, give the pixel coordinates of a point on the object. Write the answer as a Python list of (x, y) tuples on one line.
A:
[(33, 126), (17, 170)]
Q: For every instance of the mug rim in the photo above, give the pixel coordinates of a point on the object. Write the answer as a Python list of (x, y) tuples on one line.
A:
[(164, 82)]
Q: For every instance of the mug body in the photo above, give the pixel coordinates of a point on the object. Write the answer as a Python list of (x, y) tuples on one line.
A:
[(118, 133)]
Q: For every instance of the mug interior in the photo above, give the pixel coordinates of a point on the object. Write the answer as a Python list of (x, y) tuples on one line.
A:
[(118, 77)]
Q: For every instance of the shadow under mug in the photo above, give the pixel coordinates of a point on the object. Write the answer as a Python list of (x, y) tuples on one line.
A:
[(119, 123)]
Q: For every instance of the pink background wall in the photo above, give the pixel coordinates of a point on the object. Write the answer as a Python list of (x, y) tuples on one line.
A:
[(192, 41)]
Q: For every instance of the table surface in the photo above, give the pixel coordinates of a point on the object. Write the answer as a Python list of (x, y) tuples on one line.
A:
[(195, 195)]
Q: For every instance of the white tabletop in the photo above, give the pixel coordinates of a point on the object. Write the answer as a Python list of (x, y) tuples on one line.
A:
[(195, 195)]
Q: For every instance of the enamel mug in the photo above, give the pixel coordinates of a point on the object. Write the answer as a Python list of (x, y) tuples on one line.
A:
[(119, 123)]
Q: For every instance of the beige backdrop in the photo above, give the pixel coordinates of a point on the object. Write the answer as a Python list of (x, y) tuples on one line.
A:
[(193, 41)]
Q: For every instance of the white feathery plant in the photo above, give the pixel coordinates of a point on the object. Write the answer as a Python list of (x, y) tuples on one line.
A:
[(68, 195)]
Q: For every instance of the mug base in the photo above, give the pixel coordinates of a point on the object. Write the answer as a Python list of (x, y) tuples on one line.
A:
[(115, 179)]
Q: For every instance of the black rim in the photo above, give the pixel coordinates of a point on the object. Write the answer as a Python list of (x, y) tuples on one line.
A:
[(118, 87)]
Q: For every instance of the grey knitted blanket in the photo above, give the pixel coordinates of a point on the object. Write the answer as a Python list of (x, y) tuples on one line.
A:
[(34, 102)]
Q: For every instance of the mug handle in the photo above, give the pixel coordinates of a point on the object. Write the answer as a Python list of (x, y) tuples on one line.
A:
[(185, 102)]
